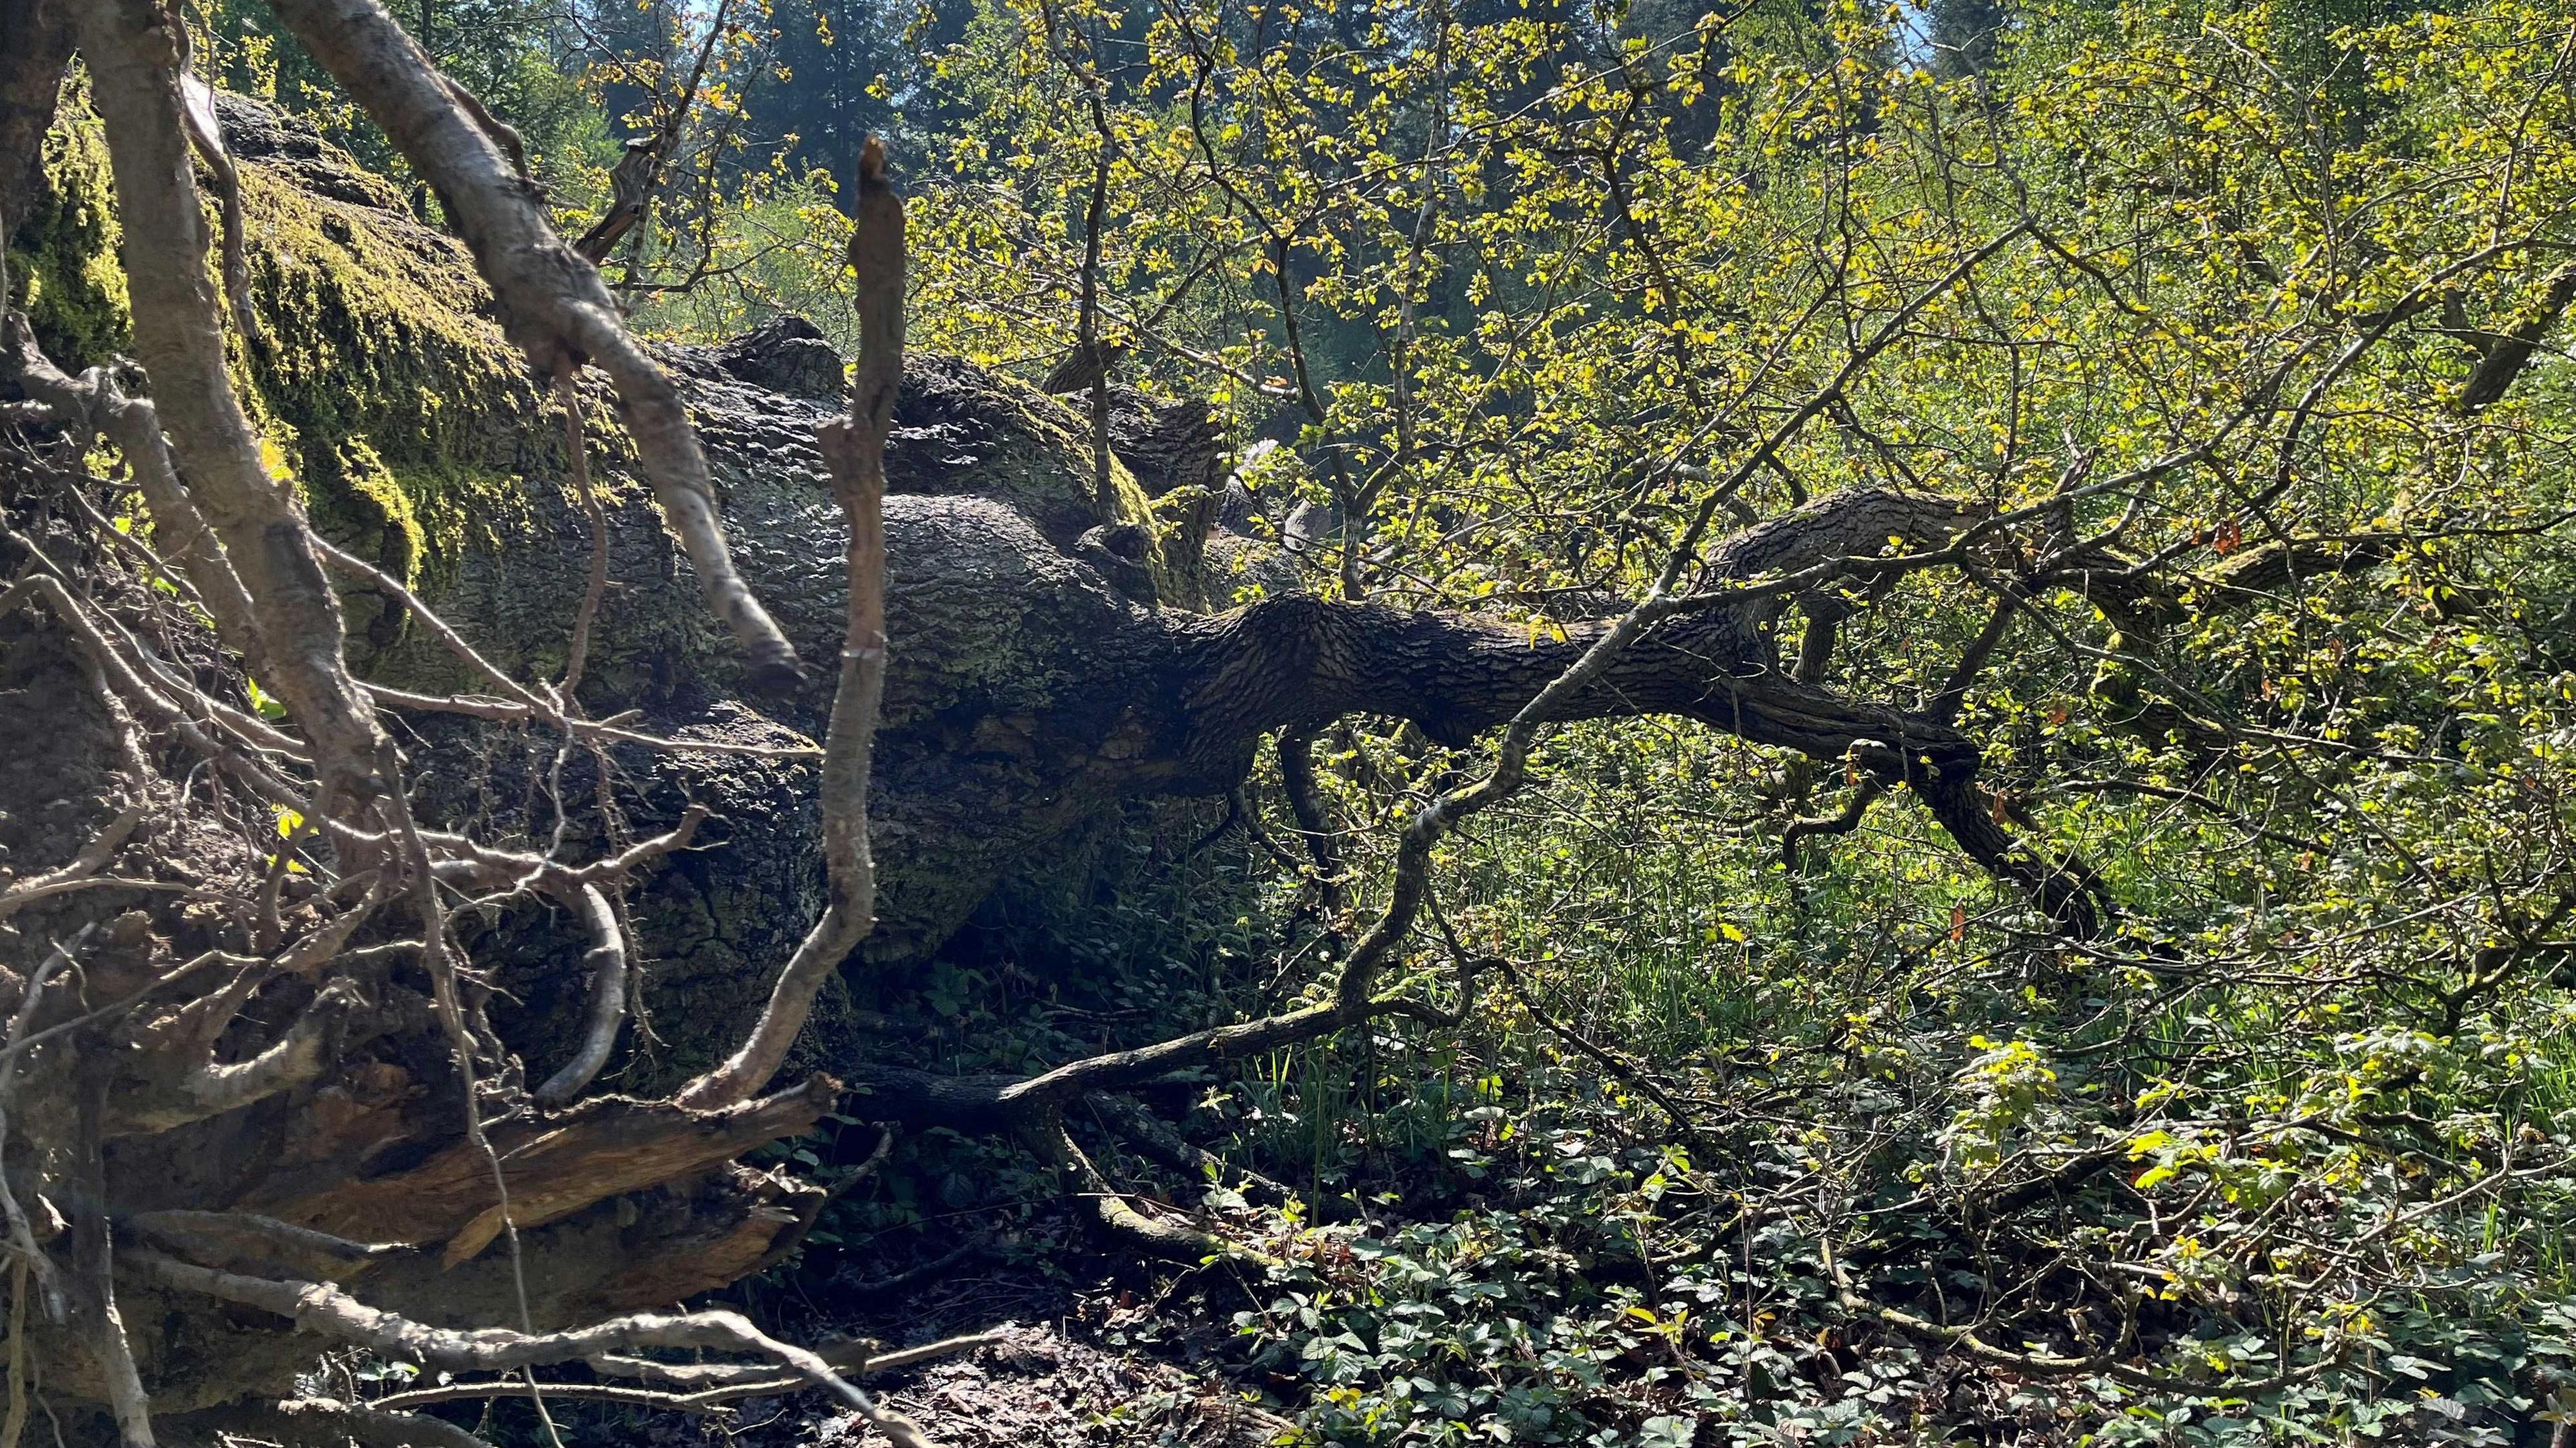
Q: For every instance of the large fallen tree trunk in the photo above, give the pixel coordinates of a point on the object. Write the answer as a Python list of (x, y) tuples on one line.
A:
[(309, 1090)]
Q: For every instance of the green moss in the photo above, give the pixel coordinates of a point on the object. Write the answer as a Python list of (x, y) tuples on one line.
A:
[(404, 404), (1034, 452), (376, 510), (62, 258), (395, 406)]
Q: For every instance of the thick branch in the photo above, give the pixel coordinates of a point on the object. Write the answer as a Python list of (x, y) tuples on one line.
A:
[(1296, 749), (132, 48), (2508, 355), (209, 1088), (603, 1148), (552, 302), (1298, 661)]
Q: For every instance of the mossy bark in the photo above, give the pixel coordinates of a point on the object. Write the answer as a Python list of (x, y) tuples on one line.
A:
[(1033, 683)]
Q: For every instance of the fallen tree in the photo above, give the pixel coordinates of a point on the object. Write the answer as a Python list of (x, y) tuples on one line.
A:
[(256, 1059)]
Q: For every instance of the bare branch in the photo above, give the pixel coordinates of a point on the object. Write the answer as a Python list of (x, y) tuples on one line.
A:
[(206, 134), (93, 1294), (606, 962), (739, 1381), (306, 1049), (22, 1233), (95, 401), (854, 450), (577, 460), (324, 1308), (235, 1237), (639, 172), (159, 711), (478, 706)]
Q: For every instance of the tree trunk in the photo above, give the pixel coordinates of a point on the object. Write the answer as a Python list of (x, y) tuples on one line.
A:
[(35, 49), (1040, 674)]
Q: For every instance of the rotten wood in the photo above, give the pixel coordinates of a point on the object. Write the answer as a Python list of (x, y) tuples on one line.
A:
[(605, 1147)]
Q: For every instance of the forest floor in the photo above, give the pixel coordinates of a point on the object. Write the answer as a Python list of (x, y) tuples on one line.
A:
[(1055, 1366)]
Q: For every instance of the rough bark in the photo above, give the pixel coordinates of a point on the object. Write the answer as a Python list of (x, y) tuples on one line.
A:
[(35, 48)]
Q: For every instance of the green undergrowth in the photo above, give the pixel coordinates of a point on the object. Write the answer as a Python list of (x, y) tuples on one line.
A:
[(1497, 1233)]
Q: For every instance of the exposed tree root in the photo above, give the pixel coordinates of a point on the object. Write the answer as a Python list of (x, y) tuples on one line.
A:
[(330, 1423), (606, 962), (323, 1308)]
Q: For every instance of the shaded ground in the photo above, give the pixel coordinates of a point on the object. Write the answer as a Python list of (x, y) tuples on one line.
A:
[(1048, 1370)]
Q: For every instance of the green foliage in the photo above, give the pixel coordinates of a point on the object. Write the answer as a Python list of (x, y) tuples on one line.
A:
[(2284, 658), (1515, 288)]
